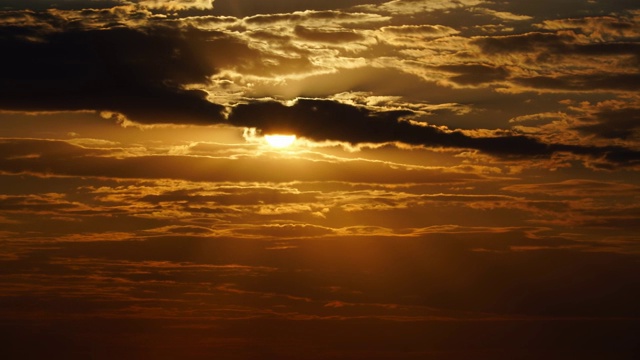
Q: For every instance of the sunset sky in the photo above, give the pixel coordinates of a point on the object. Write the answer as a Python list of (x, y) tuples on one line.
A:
[(463, 183)]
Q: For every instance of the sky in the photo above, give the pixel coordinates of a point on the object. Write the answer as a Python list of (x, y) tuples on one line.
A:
[(462, 182)]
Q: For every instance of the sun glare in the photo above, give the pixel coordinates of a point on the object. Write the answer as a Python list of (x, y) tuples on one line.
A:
[(280, 141)]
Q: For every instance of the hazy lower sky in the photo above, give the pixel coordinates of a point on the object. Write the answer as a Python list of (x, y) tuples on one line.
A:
[(463, 182)]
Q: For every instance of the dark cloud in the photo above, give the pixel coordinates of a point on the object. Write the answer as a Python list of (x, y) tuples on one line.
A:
[(565, 50), (614, 124), (137, 73), (566, 9), (554, 43), (551, 47), (329, 120), (577, 188), (588, 82), (608, 49), (320, 120), (232, 197), (475, 74), (166, 5), (520, 43), (66, 4)]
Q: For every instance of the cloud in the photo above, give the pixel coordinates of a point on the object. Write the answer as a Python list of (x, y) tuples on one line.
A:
[(419, 198), (583, 83), (409, 7), (568, 9), (504, 15), (156, 76), (411, 35), (314, 19), (137, 73), (65, 5), (280, 231), (231, 197), (52, 157), (177, 4), (605, 28), (168, 5), (622, 123), (564, 61), (321, 120), (328, 36), (475, 74), (247, 8), (578, 188), (519, 43)]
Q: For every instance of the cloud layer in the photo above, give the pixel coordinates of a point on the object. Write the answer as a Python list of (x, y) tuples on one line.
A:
[(463, 182), (200, 70)]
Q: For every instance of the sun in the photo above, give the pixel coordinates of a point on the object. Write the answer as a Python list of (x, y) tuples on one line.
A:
[(280, 141)]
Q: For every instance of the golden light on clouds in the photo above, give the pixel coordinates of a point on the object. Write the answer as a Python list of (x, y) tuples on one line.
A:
[(412, 178)]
